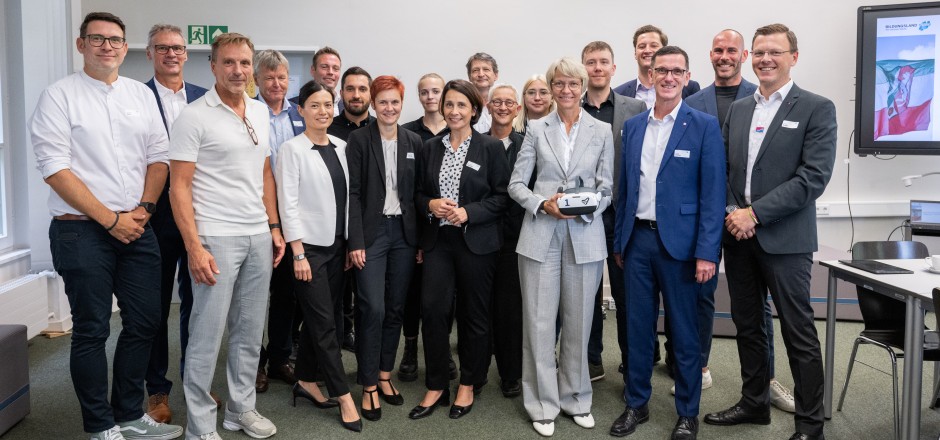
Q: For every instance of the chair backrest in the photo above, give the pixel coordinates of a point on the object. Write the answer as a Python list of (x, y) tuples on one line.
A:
[(880, 312)]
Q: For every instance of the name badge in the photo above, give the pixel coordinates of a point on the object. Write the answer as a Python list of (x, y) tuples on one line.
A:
[(682, 153), (131, 113), (298, 123), (409, 155), (475, 166), (791, 124)]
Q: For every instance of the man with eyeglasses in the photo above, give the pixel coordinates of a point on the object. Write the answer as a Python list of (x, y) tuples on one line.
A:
[(781, 149), (646, 41), (166, 48), (224, 201), (603, 104), (272, 72), (668, 232), (101, 147)]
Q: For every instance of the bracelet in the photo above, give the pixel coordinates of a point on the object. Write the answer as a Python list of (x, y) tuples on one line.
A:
[(117, 217), (274, 226), (750, 213)]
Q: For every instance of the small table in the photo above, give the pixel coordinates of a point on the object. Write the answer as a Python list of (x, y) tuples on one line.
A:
[(916, 291)]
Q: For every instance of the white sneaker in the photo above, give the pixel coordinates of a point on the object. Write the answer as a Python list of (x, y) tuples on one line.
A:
[(110, 434), (146, 428), (254, 424), (706, 382), (781, 397), (584, 420), (544, 429), (210, 436)]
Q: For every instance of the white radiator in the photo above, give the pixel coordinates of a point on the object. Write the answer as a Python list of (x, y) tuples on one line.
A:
[(25, 300)]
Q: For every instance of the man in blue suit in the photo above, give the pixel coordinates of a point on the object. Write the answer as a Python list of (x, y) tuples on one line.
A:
[(272, 73), (646, 41), (668, 231), (167, 49)]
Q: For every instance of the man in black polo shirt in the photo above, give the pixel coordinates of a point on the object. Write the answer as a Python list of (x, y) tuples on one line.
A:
[(603, 104), (356, 85)]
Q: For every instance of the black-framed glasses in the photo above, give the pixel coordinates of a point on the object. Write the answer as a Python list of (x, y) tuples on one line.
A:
[(251, 130), (676, 72), (758, 54), (97, 40), (163, 49)]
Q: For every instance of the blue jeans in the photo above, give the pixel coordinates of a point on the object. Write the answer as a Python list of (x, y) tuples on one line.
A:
[(93, 264)]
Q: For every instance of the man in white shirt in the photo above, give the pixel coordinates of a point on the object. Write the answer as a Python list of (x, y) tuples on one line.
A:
[(483, 72), (166, 48), (646, 41), (99, 144), (325, 69), (224, 202)]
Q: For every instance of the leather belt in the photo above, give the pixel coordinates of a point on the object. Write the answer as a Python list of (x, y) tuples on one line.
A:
[(648, 223), (72, 217), (391, 216)]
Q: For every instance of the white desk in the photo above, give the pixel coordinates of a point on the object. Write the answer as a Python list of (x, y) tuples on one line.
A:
[(915, 290)]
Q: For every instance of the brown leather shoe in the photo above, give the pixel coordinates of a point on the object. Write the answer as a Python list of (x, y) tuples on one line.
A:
[(218, 401), (261, 381), (158, 407), (283, 372)]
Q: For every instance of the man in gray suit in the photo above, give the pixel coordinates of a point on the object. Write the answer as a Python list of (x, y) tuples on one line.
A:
[(781, 148), (727, 55), (603, 104), (560, 256)]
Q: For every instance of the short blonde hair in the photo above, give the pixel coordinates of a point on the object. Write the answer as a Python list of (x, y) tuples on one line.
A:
[(567, 66), (522, 118), (227, 39)]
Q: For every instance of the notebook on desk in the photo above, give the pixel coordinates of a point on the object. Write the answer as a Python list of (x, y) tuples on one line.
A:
[(875, 267)]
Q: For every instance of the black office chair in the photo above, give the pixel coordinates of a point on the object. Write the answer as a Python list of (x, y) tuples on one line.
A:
[(884, 316)]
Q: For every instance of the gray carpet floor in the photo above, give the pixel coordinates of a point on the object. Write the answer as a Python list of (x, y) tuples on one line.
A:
[(867, 413)]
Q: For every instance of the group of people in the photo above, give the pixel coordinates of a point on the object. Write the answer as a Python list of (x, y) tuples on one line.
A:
[(459, 215)]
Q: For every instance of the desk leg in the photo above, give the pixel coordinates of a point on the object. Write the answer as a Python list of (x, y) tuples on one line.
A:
[(913, 369), (830, 344)]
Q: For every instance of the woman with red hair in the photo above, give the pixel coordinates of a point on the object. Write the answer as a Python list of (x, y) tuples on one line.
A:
[(382, 238)]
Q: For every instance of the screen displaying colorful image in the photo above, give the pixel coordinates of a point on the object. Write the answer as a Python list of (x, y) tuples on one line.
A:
[(904, 85)]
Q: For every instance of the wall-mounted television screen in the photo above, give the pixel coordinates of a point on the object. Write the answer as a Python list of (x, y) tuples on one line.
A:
[(897, 110)]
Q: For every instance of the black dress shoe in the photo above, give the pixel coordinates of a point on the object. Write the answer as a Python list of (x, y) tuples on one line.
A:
[(374, 413), (629, 420), (349, 342), (392, 399), (510, 388), (299, 391), (457, 411), (686, 429), (420, 412), (283, 372), (801, 436), (737, 415), (408, 369)]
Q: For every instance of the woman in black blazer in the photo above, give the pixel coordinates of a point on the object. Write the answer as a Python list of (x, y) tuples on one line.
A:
[(461, 191), (382, 238)]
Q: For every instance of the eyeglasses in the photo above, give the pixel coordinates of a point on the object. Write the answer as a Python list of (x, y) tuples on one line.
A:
[(677, 72), (251, 130), (97, 40), (758, 54), (163, 49), (539, 92), (574, 86), (499, 103)]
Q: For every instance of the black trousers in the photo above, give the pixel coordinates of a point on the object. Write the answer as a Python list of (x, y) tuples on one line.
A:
[(321, 301), (411, 321), (506, 316), (281, 314), (615, 275), (172, 257), (751, 273), (448, 267)]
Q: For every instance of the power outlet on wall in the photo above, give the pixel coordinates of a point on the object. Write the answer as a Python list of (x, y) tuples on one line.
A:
[(822, 209)]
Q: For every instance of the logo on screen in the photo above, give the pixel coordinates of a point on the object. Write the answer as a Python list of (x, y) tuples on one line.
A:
[(924, 25)]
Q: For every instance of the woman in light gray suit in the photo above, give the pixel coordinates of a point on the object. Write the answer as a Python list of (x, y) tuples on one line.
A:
[(560, 257)]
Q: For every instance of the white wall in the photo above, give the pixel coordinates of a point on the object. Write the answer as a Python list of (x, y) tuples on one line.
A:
[(407, 38)]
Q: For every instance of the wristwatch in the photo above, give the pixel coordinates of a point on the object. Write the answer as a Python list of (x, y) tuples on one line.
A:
[(149, 207), (300, 256)]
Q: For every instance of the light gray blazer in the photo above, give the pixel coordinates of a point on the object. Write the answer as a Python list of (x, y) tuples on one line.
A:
[(592, 160)]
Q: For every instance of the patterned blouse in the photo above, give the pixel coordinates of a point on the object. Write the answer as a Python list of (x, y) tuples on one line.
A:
[(451, 167)]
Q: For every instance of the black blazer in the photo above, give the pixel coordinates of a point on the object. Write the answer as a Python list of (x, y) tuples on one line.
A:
[(366, 163), (512, 221), (482, 192)]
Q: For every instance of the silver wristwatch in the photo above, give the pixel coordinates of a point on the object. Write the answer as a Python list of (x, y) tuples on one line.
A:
[(300, 256)]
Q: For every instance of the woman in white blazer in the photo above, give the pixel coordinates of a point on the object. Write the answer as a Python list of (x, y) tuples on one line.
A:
[(561, 257), (313, 194)]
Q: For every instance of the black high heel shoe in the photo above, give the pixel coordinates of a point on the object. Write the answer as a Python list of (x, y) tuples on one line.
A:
[(420, 412), (299, 391), (354, 426), (374, 413), (392, 399)]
